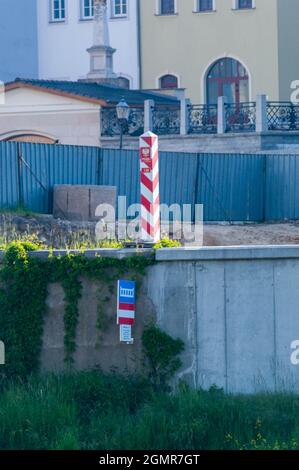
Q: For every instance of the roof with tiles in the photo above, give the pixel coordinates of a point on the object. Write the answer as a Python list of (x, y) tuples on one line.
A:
[(103, 93)]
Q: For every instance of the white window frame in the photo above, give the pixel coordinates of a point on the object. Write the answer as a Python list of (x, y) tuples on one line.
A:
[(52, 18), (119, 15), (197, 10), (82, 10), (159, 8), (236, 6)]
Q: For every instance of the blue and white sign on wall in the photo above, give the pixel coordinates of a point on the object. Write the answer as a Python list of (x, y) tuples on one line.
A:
[(126, 292), (126, 307)]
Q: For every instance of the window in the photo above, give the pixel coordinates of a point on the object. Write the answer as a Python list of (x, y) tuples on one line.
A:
[(167, 7), (57, 10), (168, 81), (87, 9), (205, 5), (227, 77), (244, 4), (120, 8)]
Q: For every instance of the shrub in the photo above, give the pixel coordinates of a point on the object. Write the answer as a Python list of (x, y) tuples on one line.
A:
[(167, 243), (161, 355)]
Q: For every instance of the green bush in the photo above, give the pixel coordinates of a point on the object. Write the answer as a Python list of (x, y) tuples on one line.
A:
[(161, 353)]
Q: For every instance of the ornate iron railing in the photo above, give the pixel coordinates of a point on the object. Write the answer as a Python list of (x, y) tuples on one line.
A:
[(240, 117), (202, 119), (283, 116), (111, 125), (166, 120)]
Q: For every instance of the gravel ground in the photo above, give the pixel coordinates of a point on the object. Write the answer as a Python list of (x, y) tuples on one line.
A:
[(251, 234)]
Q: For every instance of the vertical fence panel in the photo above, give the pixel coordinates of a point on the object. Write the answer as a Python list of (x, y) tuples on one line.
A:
[(231, 187), (46, 165), (177, 179), (9, 192), (35, 186), (282, 189), (121, 169)]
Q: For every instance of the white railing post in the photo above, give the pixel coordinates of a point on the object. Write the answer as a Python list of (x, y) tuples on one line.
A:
[(184, 125), (261, 114), (221, 124), (148, 115)]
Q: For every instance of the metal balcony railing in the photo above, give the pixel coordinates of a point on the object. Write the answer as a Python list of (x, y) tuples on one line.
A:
[(240, 117), (202, 119)]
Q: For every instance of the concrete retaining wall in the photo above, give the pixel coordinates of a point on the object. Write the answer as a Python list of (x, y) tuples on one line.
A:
[(216, 143), (236, 309)]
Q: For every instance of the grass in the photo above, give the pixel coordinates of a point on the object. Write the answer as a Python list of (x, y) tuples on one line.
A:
[(83, 238), (92, 410), (75, 242), (20, 210)]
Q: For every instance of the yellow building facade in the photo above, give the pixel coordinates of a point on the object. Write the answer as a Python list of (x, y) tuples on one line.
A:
[(232, 48)]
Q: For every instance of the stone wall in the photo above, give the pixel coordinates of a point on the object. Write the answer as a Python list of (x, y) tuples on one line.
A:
[(235, 308), (95, 347), (217, 143)]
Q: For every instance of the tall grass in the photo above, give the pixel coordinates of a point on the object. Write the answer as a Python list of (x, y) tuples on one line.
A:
[(97, 411)]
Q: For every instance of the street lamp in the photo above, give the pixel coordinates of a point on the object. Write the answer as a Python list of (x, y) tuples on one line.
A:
[(123, 113)]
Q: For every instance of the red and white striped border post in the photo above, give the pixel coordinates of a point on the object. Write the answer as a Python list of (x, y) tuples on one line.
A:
[(150, 195)]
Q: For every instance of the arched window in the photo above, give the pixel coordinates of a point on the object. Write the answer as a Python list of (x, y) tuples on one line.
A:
[(227, 77), (32, 138), (168, 81)]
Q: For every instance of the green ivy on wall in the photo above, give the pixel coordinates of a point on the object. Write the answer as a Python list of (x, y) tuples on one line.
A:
[(24, 283)]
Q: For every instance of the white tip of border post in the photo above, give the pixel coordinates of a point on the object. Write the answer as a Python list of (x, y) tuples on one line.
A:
[(148, 134)]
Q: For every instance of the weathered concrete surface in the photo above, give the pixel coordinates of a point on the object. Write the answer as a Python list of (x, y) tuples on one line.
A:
[(97, 340), (235, 308), (79, 203), (214, 143), (240, 311)]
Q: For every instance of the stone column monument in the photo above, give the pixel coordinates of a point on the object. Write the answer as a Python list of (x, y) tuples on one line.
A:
[(101, 53)]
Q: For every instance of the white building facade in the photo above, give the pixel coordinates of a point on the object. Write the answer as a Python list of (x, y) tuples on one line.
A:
[(65, 32)]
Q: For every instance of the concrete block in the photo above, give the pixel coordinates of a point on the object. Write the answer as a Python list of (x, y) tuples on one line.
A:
[(172, 285), (211, 342), (102, 195), (79, 203), (286, 301), (249, 311)]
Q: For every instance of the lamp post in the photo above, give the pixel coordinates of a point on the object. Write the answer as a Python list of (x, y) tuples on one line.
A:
[(123, 113)]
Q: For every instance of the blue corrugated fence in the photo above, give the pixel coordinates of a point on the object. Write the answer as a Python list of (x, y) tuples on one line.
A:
[(232, 187)]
